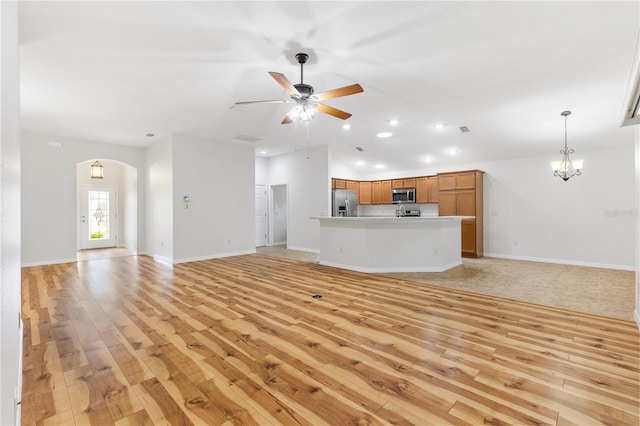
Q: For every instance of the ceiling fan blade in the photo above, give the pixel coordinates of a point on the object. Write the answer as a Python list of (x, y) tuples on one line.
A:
[(333, 111), (287, 120), (285, 83), (272, 101), (336, 93)]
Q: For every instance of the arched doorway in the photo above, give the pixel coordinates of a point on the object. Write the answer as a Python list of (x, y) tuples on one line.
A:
[(106, 210)]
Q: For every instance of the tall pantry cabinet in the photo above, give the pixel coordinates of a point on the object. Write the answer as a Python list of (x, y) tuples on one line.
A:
[(460, 194)]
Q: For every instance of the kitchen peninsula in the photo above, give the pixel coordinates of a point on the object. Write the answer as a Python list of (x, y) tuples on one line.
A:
[(391, 244)]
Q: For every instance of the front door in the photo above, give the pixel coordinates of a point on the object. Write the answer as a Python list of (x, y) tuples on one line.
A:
[(98, 206)]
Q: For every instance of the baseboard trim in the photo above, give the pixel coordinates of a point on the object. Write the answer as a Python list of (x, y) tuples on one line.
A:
[(213, 256), (562, 262), (48, 262), (308, 250)]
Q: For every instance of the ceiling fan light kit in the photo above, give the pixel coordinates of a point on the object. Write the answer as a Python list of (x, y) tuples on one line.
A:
[(307, 101)]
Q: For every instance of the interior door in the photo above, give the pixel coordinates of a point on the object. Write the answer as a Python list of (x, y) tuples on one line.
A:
[(98, 207), (261, 215)]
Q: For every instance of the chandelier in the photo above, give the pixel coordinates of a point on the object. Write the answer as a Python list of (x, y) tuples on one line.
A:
[(566, 168)]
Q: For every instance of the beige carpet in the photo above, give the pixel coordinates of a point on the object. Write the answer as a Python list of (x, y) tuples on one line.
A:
[(598, 291)]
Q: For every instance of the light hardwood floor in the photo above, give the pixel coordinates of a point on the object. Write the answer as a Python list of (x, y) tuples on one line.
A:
[(241, 340)]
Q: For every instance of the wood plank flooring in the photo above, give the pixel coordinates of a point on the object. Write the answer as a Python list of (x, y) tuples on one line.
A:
[(241, 341)]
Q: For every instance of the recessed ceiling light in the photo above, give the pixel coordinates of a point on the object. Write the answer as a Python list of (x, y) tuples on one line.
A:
[(384, 134), (360, 163), (393, 122), (428, 159), (263, 152), (359, 148), (346, 126), (453, 151), (438, 126), (379, 166)]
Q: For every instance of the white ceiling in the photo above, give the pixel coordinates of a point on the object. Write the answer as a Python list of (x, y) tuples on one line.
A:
[(115, 71)]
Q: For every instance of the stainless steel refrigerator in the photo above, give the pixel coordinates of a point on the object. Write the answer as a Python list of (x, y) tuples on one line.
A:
[(344, 203)]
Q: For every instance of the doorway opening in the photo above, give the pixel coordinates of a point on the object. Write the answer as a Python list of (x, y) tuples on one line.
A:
[(279, 215), (106, 211)]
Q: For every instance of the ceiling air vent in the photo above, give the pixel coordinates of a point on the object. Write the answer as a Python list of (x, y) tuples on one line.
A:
[(464, 129), (359, 148)]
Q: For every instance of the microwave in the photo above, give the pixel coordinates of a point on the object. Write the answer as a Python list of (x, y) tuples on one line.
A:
[(404, 195)]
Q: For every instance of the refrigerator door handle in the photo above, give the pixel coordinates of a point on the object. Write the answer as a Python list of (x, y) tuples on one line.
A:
[(348, 207)]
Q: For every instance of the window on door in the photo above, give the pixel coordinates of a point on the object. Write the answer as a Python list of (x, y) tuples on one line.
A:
[(98, 215)]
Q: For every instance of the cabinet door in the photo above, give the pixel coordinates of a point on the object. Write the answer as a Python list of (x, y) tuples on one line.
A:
[(398, 183), (341, 184), (447, 203), (386, 192), (422, 190), (468, 229), (352, 185), (376, 192), (364, 193), (333, 183), (447, 182), (433, 189), (409, 183), (465, 202), (466, 180)]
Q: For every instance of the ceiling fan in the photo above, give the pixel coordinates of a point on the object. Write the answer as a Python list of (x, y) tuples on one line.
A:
[(308, 102)]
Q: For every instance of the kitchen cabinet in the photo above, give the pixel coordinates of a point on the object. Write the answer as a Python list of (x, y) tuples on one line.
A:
[(404, 183), (386, 191), (353, 185), (434, 190), (422, 190), (364, 193), (461, 194), (339, 184), (376, 192)]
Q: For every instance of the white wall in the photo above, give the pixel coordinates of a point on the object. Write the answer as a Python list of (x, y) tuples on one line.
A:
[(48, 179), (10, 334), (530, 214), (159, 183), (262, 170), (306, 174), (220, 180)]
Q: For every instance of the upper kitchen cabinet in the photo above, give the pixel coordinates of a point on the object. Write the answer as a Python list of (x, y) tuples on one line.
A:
[(385, 195), (364, 193), (422, 190), (434, 189), (376, 192), (461, 194), (338, 184)]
